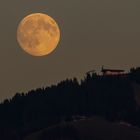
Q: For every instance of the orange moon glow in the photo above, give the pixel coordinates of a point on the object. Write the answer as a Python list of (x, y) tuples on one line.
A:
[(38, 34)]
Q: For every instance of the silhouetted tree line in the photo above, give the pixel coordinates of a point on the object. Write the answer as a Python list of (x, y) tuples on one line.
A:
[(111, 97)]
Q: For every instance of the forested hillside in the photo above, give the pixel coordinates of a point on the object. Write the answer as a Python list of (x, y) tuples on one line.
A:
[(111, 97)]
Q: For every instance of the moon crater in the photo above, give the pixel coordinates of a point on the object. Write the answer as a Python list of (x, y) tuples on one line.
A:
[(38, 34)]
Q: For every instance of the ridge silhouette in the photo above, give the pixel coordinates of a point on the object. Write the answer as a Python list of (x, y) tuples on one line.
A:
[(109, 96)]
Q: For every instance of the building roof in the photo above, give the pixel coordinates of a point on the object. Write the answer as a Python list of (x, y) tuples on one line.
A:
[(112, 70)]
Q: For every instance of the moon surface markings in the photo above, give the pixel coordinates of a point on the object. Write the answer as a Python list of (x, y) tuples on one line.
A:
[(38, 34)]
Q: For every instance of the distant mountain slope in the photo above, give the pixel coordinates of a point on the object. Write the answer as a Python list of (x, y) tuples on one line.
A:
[(89, 129)]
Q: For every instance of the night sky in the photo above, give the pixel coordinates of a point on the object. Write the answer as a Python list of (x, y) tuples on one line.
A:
[(93, 33)]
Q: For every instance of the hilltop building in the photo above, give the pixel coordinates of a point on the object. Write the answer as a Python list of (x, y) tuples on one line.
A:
[(112, 71), (107, 72)]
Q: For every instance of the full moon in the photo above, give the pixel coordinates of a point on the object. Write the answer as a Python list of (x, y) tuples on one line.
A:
[(38, 34)]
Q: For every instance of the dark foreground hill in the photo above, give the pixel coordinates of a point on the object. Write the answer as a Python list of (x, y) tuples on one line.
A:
[(109, 96), (88, 129)]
